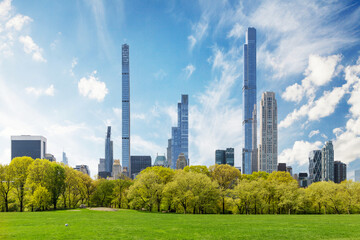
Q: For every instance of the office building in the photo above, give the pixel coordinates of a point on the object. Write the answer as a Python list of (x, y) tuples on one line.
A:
[(314, 166), (139, 163), (339, 172), (268, 148), (254, 153), (168, 153), (181, 162), (83, 168), (225, 156), (116, 170), (281, 167), (357, 175), (109, 156), (160, 161), (303, 180), (289, 170), (65, 159), (249, 98), (50, 157), (180, 134), (30, 146), (126, 163), (327, 162), (102, 173)]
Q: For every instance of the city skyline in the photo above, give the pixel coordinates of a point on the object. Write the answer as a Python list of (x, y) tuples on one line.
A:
[(68, 89)]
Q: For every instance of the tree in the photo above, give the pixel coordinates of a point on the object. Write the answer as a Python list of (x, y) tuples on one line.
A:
[(41, 198), (226, 176), (20, 166), (165, 174), (120, 188), (198, 169), (56, 182), (103, 192), (87, 188), (6, 184)]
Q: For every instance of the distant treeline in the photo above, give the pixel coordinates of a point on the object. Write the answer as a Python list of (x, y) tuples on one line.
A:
[(38, 185)]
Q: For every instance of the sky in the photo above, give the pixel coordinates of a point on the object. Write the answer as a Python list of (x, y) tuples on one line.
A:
[(60, 75)]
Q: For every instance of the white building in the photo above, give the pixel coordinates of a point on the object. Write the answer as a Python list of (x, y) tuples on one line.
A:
[(268, 147), (30, 146)]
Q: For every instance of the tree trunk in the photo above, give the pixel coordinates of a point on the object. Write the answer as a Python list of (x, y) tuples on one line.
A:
[(223, 205)]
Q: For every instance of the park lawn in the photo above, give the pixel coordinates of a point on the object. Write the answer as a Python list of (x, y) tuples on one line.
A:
[(130, 224)]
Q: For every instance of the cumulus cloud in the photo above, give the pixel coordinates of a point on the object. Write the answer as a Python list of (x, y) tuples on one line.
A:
[(188, 70), (50, 91), (313, 133), (142, 146), (18, 22), (299, 153), (30, 47), (92, 88), (319, 72)]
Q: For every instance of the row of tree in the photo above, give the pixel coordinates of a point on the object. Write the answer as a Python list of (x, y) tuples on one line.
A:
[(33, 185)]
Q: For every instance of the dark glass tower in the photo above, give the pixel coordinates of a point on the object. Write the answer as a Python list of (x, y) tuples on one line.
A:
[(126, 109), (249, 95)]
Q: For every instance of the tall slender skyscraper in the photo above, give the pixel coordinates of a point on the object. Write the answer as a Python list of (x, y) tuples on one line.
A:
[(327, 162), (109, 156), (126, 109), (180, 134), (254, 153), (268, 147), (249, 97), (65, 159)]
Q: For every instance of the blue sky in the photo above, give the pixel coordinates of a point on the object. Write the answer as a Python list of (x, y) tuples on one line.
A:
[(60, 75)]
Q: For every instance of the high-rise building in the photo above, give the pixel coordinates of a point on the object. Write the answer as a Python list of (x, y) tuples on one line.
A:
[(357, 175), (126, 109), (139, 163), (168, 153), (160, 161), (30, 146), (229, 156), (339, 172), (65, 159), (327, 162), (83, 168), (180, 134), (50, 157), (314, 166), (303, 180), (281, 167), (220, 157), (109, 153), (181, 162), (289, 170), (254, 153), (116, 170), (249, 97), (268, 148)]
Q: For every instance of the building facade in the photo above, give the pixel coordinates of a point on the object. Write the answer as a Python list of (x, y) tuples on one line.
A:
[(181, 162), (168, 153), (249, 97), (160, 161), (109, 153), (116, 170), (281, 167), (327, 162), (50, 157), (30, 146), (220, 157), (268, 147), (357, 175), (254, 153), (83, 168), (339, 172), (180, 134), (126, 163), (225, 156), (139, 163), (314, 166)]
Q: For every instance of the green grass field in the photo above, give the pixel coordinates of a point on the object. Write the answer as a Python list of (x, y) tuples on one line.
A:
[(129, 224)]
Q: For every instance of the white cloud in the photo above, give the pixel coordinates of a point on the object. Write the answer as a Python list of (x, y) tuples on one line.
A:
[(139, 116), (299, 153), (237, 31), (199, 31), (189, 69), (18, 22), (313, 133), (171, 111), (92, 88), (319, 72), (161, 74), (5, 8), (50, 91), (144, 147), (74, 62), (30, 47)]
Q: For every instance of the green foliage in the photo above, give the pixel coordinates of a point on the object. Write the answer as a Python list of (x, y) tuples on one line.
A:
[(103, 192), (198, 169)]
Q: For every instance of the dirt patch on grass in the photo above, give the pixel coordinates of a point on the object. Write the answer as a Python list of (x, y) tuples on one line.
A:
[(74, 210), (104, 209)]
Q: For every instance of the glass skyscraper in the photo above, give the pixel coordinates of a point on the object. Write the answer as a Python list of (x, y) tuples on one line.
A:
[(180, 134), (126, 109), (109, 156), (314, 166), (249, 95), (327, 162)]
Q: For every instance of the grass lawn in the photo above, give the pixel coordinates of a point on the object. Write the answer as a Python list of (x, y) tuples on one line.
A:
[(129, 224)]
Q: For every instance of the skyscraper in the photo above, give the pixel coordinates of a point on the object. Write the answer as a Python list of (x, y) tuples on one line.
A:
[(220, 157), (109, 156), (327, 162), (138, 164), (180, 134), (126, 163), (268, 147), (65, 159), (181, 162), (314, 166), (225, 156), (357, 175), (339, 172), (168, 153), (254, 153), (249, 97)]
